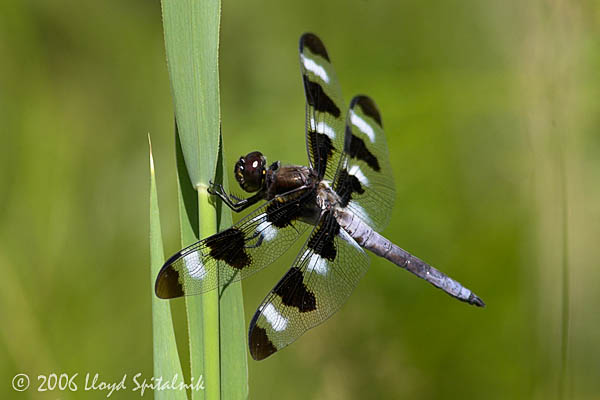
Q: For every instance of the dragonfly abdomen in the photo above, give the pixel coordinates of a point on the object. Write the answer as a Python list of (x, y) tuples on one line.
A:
[(371, 240)]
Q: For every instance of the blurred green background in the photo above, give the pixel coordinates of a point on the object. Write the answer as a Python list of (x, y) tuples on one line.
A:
[(491, 113)]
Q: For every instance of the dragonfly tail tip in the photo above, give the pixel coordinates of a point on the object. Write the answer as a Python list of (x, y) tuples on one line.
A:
[(476, 301)]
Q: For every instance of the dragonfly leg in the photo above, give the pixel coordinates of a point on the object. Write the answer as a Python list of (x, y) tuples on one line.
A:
[(234, 202)]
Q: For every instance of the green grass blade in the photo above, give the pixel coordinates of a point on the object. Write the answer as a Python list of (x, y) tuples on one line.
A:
[(191, 29), (189, 227), (234, 362), (191, 40), (166, 358), (210, 308)]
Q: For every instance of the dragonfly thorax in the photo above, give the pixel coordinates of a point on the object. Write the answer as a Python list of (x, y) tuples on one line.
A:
[(327, 199)]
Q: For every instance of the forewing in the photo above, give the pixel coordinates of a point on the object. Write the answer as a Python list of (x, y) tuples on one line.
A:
[(319, 282), (325, 111), (235, 253), (364, 180)]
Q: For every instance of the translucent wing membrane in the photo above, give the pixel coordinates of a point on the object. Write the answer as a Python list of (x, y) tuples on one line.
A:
[(364, 180), (324, 107), (319, 282), (235, 253), (347, 149)]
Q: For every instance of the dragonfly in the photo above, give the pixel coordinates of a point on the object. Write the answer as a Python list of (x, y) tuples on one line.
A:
[(344, 196)]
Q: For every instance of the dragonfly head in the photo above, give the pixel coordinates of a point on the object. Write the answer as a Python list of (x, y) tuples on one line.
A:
[(250, 171)]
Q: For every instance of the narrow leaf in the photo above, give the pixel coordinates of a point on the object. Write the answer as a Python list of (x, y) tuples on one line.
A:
[(192, 39), (188, 222), (166, 358), (234, 361), (191, 29)]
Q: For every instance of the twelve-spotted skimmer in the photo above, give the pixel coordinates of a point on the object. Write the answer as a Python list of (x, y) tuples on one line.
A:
[(345, 196)]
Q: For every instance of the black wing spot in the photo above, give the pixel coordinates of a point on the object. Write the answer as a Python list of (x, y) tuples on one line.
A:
[(356, 148), (321, 149), (322, 241), (228, 246), (168, 285), (283, 214), (368, 107), (315, 45), (261, 346), (294, 293), (346, 185), (318, 99)]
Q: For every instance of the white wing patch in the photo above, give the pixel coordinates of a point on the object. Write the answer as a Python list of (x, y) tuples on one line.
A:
[(362, 214), (346, 236), (267, 230), (355, 170), (277, 321), (318, 264), (362, 125), (315, 68), (322, 127), (194, 265)]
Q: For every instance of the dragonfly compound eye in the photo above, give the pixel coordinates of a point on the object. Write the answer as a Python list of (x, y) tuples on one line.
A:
[(250, 171)]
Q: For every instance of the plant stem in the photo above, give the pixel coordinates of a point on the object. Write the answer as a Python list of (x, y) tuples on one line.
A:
[(210, 307)]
